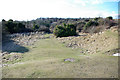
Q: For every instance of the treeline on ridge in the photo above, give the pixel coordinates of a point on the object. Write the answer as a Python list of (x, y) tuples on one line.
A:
[(89, 25)]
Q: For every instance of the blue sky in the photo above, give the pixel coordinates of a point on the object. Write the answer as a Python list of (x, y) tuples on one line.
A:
[(32, 9)]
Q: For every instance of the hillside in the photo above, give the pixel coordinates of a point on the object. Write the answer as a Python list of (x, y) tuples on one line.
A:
[(93, 43)]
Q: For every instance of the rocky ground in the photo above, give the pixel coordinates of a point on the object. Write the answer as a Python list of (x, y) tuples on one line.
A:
[(102, 42), (27, 38), (14, 45), (16, 41), (93, 43)]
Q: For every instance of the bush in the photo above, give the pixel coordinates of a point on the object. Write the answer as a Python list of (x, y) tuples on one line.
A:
[(90, 23), (12, 26), (65, 30), (4, 31), (110, 17), (35, 27), (80, 26), (101, 21)]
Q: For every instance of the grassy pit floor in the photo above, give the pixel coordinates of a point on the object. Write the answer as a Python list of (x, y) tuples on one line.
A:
[(45, 59)]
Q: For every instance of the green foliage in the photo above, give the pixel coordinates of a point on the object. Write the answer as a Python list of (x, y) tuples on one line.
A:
[(35, 27), (49, 24), (10, 20), (110, 22), (96, 18), (90, 23), (13, 27), (110, 17), (65, 30)]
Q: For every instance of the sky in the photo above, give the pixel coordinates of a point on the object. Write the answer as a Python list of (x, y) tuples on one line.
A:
[(33, 9)]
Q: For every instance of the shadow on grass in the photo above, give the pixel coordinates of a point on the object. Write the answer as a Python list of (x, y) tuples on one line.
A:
[(11, 46)]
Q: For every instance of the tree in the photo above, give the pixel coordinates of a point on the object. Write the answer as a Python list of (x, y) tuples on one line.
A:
[(110, 17)]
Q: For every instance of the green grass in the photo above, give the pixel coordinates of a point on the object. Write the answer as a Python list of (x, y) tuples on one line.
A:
[(46, 60), (111, 34)]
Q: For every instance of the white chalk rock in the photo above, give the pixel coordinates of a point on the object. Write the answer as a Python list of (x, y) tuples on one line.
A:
[(116, 54)]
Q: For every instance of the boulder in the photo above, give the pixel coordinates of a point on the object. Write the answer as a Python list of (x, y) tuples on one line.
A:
[(5, 53), (116, 54), (70, 45), (69, 59)]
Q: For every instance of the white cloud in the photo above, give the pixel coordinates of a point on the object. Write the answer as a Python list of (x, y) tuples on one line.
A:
[(113, 0), (85, 2), (82, 2), (96, 1), (32, 9), (29, 9), (106, 14)]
